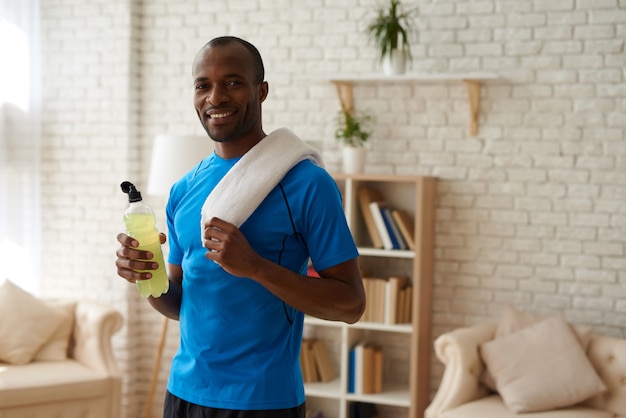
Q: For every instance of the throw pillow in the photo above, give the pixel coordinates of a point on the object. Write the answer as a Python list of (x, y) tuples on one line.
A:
[(26, 325), (512, 320), (541, 367), (56, 348)]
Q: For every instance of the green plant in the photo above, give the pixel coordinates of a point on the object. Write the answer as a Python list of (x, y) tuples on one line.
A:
[(391, 27), (353, 129)]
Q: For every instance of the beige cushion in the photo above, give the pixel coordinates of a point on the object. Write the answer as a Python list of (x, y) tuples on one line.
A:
[(59, 381), (26, 324), (541, 367), (56, 348), (512, 320), (492, 407)]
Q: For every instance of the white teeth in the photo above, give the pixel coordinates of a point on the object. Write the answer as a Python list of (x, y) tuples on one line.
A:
[(219, 115)]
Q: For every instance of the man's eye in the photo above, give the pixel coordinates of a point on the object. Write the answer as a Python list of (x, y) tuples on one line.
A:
[(233, 83), (200, 86)]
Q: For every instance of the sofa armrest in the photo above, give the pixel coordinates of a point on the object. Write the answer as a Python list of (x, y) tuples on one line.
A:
[(458, 350), (94, 327)]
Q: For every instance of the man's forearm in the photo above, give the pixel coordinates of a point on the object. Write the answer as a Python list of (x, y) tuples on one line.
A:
[(168, 303)]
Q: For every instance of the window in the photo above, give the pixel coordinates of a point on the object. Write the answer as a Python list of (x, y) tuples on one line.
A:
[(14, 66), (20, 236)]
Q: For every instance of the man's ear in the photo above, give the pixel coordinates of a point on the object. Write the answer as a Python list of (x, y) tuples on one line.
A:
[(264, 89)]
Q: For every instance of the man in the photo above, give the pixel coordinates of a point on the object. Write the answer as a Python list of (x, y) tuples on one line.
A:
[(241, 293)]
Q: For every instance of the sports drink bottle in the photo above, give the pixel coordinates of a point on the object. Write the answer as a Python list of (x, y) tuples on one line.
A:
[(141, 225)]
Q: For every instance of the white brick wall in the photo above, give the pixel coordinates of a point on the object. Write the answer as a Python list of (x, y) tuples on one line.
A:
[(530, 212)]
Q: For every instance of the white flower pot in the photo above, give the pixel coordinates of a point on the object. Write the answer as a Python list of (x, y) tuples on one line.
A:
[(354, 159), (395, 62)]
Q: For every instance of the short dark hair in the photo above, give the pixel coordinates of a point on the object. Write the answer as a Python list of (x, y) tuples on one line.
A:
[(259, 69)]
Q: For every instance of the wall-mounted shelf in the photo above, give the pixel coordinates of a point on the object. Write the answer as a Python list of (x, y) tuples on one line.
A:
[(473, 82)]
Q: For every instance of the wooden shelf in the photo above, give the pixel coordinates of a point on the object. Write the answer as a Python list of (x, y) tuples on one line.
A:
[(406, 390), (472, 81)]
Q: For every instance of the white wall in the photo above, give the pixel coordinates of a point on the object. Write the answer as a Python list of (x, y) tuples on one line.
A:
[(530, 212)]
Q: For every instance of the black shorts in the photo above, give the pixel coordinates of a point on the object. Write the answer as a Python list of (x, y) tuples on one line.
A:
[(174, 407)]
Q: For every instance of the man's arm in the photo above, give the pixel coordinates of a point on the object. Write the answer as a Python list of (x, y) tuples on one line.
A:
[(169, 303), (337, 295)]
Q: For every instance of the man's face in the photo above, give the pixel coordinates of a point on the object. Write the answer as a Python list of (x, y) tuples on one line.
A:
[(227, 97)]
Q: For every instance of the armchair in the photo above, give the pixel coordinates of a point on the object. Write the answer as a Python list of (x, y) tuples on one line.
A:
[(462, 393), (87, 383)]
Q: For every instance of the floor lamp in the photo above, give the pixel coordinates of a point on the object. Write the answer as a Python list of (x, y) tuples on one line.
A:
[(172, 157)]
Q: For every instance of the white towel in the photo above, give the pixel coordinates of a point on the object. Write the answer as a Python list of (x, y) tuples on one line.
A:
[(251, 179)]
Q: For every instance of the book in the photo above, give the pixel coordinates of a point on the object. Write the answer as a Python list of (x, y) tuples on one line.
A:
[(408, 307), (406, 226), (375, 299), (368, 369), (367, 286), (309, 374), (378, 370), (311, 272), (379, 296), (394, 232), (351, 370), (385, 299), (393, 287), (380, 224), (392, 237), (400, 307), (358, 368), (323, 362), (405, 305), (365, 196)]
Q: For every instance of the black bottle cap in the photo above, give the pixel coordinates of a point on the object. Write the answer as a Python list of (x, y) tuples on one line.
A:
[(134, 195)]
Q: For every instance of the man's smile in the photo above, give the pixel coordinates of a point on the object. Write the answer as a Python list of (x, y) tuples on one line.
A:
[(219, 115)]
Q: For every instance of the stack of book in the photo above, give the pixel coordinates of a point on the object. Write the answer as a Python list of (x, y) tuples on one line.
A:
[(389, 300), (366, 369), (388, 227), (315, 362)]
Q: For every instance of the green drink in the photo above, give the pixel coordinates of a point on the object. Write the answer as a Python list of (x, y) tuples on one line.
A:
[(141, 225)]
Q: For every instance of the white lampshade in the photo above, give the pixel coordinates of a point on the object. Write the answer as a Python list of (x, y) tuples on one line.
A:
[(172, 157)]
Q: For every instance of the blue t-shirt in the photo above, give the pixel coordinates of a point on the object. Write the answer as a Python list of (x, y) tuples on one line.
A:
[(240, 344)]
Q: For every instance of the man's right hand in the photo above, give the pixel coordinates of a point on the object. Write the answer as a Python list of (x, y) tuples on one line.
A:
[(130, 261)]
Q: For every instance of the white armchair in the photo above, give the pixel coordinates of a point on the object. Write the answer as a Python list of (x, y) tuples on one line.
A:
[(86, 384), (462, 393), (460, 383)]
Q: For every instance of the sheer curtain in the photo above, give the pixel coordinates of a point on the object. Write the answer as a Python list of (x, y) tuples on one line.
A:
[(20, 133)]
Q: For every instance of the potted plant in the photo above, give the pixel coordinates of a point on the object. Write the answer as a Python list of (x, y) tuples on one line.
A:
[(353, 131), (390, 32)]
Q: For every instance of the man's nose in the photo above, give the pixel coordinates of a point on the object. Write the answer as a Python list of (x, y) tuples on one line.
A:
[(216, 96)]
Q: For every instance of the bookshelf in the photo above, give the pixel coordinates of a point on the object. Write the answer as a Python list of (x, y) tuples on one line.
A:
[(406, 346)]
